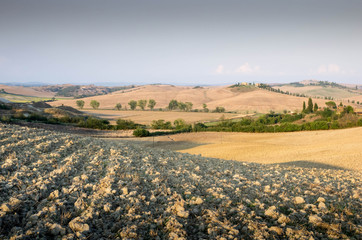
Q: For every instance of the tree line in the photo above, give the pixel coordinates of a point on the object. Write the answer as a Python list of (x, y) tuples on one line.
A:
[(142, 104)]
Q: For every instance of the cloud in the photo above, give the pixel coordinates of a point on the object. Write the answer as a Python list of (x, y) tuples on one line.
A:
[(220, 69), (330, 68), (246, 68)]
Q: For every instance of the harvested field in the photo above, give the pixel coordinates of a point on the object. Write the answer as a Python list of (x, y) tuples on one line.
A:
[(327, 149), (258, 100), (146, 117), (56, 185)]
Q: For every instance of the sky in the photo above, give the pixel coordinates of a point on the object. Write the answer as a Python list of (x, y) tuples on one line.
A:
[(189, 42)]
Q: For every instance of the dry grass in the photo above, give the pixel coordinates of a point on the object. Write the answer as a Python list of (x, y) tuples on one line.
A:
[(336, 93), (334, 148), (146, 117), (258, 100)]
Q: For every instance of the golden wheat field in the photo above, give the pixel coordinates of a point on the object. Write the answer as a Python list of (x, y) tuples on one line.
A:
[(325, 149)]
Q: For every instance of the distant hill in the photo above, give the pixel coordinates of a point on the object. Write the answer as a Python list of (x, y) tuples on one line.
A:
[(64, 90), (321, 89)]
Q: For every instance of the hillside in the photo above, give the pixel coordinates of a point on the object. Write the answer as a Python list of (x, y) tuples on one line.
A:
[(61, 90), (27, 91), (257, 100), (56, 185), (321, 89)]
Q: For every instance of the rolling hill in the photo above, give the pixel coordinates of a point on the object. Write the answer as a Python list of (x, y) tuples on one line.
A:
[(252, 100)]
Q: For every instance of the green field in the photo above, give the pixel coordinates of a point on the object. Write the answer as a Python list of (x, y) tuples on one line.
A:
[(17, 98)]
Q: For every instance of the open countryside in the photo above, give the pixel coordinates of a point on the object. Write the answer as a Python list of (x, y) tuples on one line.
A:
[(180, 120)]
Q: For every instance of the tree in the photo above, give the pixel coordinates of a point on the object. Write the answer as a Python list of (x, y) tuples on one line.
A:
[(220, 109), (141, 132), (94, 104), (151, 103), (347, 110), (331, 104), (188, 106), (304, 106), (142, 104), (173, 104), (315, 107), (118, 106), (310, 106), (181, 106), (80, 104), (132, 104), (204, 106)]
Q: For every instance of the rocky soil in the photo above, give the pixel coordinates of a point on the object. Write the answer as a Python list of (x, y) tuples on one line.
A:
[(63, 186)]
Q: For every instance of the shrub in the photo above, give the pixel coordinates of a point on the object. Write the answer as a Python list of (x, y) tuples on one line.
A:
[(198, 127), (126, 124), (95, 123), (141, 132), (161, 124), (5, 107)]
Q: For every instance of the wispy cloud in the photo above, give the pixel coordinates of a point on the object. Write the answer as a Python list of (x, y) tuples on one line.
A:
[(246, 68), (220, 69), (330, 68)]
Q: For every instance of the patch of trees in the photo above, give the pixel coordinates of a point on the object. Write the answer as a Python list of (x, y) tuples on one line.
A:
[(142, 103), (219, 109), (183, 106), (123, 124)]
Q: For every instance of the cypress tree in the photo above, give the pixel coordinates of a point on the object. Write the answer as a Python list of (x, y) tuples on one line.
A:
[(315, 107), (303, 106), (310, 105)]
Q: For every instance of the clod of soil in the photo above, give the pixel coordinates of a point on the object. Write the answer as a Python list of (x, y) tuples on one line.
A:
[(55, 185)]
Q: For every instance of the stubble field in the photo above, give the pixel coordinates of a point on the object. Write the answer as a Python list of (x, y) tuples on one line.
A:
[(146, 117), (327, 149)]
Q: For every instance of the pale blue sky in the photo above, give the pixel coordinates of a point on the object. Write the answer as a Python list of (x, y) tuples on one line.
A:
[(180, 42)]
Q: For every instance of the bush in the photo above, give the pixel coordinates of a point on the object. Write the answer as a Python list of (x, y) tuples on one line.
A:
[(5, 107), (161, 124), (94, 123), (141, 132), (198, 127), (126, 124)]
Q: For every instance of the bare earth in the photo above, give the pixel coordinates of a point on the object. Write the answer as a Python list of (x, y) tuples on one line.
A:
[(324, 149)]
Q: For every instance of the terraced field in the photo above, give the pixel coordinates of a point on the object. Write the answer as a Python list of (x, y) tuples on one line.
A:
[(65, 186)]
